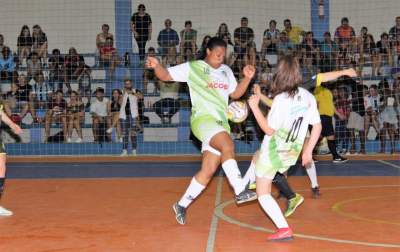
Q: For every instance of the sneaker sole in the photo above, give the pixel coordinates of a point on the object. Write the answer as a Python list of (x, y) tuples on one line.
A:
[(247, 200), (176, 211), (340, 162), (294, 209), (282, 239)]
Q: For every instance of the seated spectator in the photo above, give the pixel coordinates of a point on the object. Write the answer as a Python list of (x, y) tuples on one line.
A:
[(294, 33), (385, 54), (34, 65), (169, 103), (148, 74), (372, 106), (188, 55), (7, 66), (310, 53), (265, 74), (394, 32), (109, 57), (202, 50), (19, 98), (328, 53), (369, 54), (168, 40), (42, 93), (344, 32), (270, 39), (39, 40), (188, 38), (363, 36), (129, 116), (24, 43), (103, 36), (75, 116), (230, 56), (56, 70), (1, 45), (113, 109), (285, 46), (244, 41), (74, 66), (342, 105), (100, 117), (56, 112), (85, 85), (224, 31)]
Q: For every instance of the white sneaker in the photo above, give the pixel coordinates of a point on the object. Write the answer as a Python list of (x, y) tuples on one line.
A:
[(79, 140), (134, 153), (124, 153), (120, 140), (109, 131), (5, 212), (69, 140)]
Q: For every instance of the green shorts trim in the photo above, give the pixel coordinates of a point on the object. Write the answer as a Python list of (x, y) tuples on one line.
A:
[(205, 127)]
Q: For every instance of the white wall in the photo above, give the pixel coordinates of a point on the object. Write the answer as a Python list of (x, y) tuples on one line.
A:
[(66, 22), (377, 15), (206, 15)]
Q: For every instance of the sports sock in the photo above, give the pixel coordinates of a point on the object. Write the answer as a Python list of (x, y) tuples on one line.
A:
[(332, 148), (312, 174), (194, 189), (250, 176), (234, 176), (2, 180), (270, 206), (281, 183)]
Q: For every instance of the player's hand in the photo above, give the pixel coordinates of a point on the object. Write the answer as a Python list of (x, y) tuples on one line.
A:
[(16, 129), (254, 100), (249, 71), (256, 89), (152, 62), (351, 72), (306, 158)]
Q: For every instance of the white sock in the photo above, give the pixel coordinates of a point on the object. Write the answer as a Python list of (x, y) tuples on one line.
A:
[(233, 174), (250, 176), (270, 206), (194, 189), (312, 174)]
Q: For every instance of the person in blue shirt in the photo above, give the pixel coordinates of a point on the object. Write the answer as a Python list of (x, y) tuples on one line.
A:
[(167, 41), (7, 65)]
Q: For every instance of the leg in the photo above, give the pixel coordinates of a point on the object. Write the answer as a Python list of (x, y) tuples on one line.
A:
[(70, 126), (77, 126), (3, 211), (125, 130), (48, 120), (95, 126)]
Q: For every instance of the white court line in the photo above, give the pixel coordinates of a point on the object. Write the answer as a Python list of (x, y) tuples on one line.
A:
[(388, 163), (214, 220), (219, 211)]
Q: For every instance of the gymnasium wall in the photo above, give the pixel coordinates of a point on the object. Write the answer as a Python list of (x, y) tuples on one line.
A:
[(66, 22)]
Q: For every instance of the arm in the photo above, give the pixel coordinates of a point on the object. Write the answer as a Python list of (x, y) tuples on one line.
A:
[(11, 124), (139, 95), (159, 70), (309, 147), (248, 72), (263, 98), (329, 76), (261, 120)]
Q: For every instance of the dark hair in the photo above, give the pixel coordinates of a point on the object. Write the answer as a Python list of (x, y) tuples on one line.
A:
[(287, 76), (100, 89), (384, 34), (141, 6), (212, 43), (287, 20), (374, 86), (105, 25), (56, 51), (74, 92), (188, 22), (310, 32), (24, 27), (151, 49), (345, 19), (272, 21), (112, 92), (203, 44), (327, 33), (59, 91), (244, 19)]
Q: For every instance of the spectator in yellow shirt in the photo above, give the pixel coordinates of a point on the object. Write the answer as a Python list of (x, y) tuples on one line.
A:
[(293, 32)]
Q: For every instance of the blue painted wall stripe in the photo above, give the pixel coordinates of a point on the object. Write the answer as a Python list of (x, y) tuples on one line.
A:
[(319, 26), (123, 34)]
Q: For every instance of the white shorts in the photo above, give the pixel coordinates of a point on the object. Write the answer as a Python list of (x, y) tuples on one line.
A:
[(205, 145)]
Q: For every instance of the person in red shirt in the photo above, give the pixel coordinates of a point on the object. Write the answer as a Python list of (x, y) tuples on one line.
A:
[(108, 56)]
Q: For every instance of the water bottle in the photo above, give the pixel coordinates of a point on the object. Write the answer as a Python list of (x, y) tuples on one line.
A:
[(127, 60)]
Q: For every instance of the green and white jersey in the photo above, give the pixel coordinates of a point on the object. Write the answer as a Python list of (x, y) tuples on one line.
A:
[(209, 87), (289, 117)]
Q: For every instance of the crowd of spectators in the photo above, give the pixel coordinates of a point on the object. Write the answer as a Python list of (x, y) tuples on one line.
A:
[(361, 112)]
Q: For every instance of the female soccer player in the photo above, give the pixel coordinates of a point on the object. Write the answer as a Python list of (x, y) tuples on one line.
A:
[(211, 83), (285, 128), (17, 130)]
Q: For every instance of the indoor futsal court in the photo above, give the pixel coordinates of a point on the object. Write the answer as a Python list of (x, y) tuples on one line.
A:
[(126, 206)]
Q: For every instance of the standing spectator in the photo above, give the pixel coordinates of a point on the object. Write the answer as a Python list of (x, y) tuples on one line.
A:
[(169, 104), (103, 36), (1, 45), (369, 54), (310, 52), (224, 31), (372, 105), (109, 57), (74, 66), (7, 66), (293, 32), (41, 92), (384, 51), (56, 113), (56, 70), (343, 107), (284, 46), (75, 115), (23, 97), (113, 109), (394, 32), (142, 28), (188, 38), (328, 50), (100, 116), (344, 32), (168, 40), (230, 56), (202, 50), (244, 41), (129, 116), (270, 39), (39, 40), (264, 74), (24, 43), (34, 65)]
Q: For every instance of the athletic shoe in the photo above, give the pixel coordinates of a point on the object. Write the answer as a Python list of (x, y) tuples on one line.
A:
[(69, 140), (5, 212), (109, 131), (293, 204), (120, 140), (315, 192), (339, 160), (134, 153), (245, 196), (79, 140), (283, 234), (252, 186), (180, 213), (124, 153)]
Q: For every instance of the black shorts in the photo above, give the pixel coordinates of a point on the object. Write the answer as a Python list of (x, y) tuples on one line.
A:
[(327, 126)]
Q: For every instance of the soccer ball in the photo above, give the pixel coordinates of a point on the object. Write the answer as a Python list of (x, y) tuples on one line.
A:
[(237, 111)]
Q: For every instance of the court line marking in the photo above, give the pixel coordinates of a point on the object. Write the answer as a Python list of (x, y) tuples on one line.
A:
[(219, 211), (337, 208), (214, 221), (388, 163)]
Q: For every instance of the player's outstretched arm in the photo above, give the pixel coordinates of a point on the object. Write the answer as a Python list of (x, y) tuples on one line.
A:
[(241, 88), (15, 128), (159, 70), (330, 76)]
